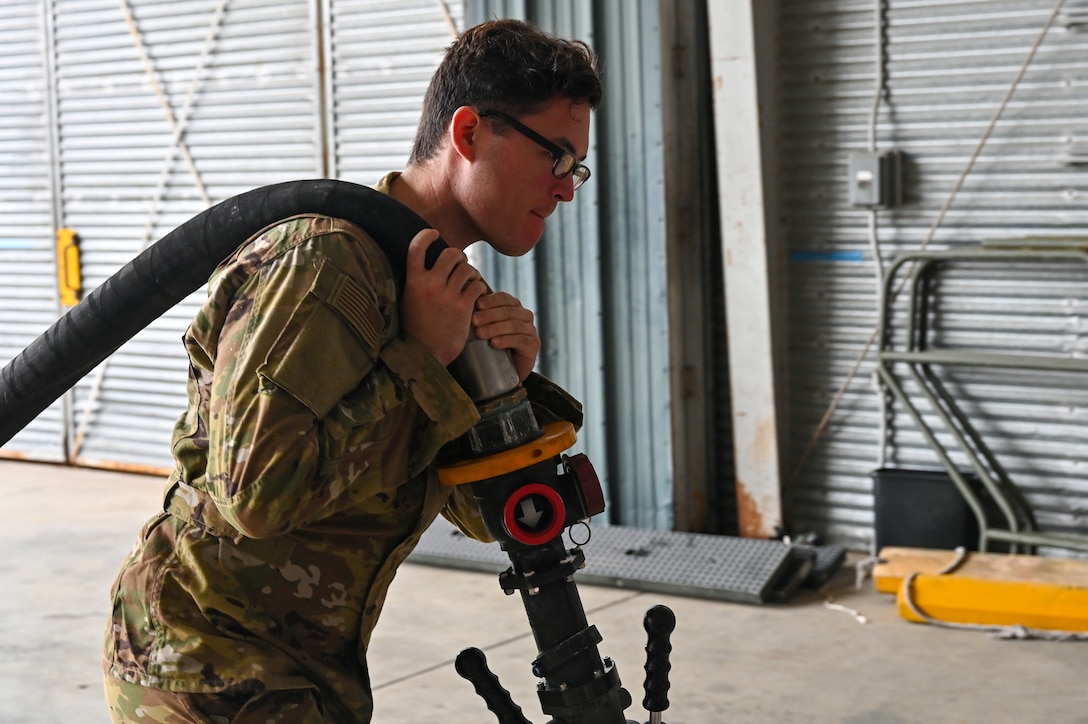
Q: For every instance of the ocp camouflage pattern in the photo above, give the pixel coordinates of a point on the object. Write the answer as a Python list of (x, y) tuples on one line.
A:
[(304, 477)]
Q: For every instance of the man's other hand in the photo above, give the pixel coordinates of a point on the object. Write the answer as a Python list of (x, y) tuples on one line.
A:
[(501, 319)]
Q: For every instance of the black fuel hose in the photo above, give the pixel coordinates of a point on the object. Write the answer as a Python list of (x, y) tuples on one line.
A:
[(174, 267)]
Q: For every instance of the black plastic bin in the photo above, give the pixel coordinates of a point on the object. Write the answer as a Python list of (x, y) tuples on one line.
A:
[(922, 509)]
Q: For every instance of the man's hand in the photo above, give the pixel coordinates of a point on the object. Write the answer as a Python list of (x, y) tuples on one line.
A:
[(438, 302), (501, 319)]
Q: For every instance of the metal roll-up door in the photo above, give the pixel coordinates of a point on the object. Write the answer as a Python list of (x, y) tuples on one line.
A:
[(948, 67), (560, 280), (620, 282), (27, 262), (163, 109), (634, 266), (382, 57)]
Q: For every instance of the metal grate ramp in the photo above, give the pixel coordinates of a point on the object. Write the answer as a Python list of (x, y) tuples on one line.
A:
[(743, 570)]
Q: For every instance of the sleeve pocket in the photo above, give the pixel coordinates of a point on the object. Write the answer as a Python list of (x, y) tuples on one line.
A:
[(317, 359), (330, 343)]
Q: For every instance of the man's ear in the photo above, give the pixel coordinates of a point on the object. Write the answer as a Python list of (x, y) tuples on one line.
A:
[(464, 127)]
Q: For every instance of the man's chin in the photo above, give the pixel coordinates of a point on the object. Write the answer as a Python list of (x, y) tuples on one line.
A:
[(518, 247), (517, 251)]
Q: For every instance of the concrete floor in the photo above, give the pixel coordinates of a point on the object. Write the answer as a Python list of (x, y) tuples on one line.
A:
[(65, 530)]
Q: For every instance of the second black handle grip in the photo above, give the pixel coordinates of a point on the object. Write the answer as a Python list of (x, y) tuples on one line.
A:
[(471, 664), (659, 623)]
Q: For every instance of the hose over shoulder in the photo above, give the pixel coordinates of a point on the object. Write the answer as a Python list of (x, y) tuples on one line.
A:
[(171, 269)]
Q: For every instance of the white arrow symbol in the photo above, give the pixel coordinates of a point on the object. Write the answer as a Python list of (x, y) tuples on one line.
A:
[(530, 514)]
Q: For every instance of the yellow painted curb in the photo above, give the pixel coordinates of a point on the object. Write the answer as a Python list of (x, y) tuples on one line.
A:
[(955, 598)]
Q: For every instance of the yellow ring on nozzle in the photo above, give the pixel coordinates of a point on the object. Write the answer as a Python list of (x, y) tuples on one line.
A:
[(558, 436)]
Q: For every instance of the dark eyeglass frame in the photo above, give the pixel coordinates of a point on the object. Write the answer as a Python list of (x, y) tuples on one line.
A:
[(566, 163)]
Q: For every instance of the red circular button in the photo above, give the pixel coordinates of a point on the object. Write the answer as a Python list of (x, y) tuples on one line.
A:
[(534, 514)]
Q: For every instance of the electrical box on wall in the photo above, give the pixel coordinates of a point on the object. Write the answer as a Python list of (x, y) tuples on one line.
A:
[(874, 181)]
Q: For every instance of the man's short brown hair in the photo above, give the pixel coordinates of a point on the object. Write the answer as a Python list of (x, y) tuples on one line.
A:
[(508, 65)]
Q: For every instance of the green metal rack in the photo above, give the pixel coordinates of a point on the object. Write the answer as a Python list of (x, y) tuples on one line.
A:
[(1009, 519)]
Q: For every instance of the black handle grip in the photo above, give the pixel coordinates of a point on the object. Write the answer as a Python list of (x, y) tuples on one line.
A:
[(659, 623), (471, 664)]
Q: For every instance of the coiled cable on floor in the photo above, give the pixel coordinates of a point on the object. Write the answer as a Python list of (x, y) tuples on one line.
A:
[(1006, 633)]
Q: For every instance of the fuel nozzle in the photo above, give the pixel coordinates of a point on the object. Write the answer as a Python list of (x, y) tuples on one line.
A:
[(489, 377)]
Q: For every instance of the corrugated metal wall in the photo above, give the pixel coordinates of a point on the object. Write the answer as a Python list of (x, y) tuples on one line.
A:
[(27, 266), (163, 109), (948, 67), (382, 56), (633, 225)]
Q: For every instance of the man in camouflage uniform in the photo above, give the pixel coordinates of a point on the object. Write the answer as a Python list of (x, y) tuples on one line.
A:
[(318, 400)]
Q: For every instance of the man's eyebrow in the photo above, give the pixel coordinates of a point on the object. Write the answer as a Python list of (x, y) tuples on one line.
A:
[(566, 143)]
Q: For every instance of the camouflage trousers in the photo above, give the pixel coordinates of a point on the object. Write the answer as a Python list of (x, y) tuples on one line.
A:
[(130, 703)]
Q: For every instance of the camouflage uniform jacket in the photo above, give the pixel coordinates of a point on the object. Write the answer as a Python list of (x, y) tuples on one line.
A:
[(304, 476)]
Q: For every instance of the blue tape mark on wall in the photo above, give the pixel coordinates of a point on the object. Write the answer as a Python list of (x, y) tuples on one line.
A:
[(22, 244), (804, 256)]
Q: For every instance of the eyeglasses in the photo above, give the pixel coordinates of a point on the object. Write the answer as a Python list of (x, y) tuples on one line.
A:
[(565, 162)]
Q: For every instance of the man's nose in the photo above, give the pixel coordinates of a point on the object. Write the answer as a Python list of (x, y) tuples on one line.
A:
[(564, 189)]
